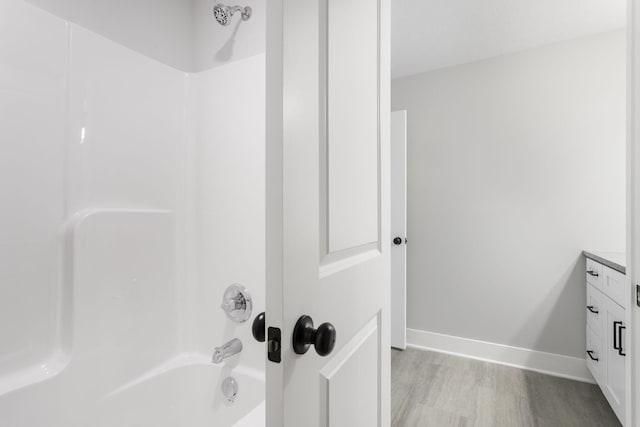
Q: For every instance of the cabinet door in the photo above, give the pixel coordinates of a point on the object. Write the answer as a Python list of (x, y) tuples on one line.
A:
[(595, 310), (596, 357), (615, 381)]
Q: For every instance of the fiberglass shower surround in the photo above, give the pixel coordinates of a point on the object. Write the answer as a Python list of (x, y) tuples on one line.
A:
[(135, 196)]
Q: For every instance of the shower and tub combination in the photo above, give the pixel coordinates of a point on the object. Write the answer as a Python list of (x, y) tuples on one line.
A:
[(132, 224)]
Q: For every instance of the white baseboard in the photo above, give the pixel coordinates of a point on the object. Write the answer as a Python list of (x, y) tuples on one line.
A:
[(547, 363)]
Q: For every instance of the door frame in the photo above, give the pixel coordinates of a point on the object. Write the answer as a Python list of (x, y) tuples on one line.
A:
[(633, 205), (398, 290)]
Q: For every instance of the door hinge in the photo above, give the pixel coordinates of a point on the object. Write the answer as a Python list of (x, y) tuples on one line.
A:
[(274, 345)]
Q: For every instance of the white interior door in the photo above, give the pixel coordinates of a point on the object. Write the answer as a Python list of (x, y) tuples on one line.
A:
[(633, 210), (399, 229), (328, 240)]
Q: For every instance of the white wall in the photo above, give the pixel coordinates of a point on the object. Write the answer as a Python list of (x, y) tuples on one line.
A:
[(160, 29), (515, 165), (441, 33)]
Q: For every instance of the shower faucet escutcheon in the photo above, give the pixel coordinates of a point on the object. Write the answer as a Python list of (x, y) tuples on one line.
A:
[(237, 303)]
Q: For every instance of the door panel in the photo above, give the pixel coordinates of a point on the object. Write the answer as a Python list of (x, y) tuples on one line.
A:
[(351, 120), (328, 241), (350, 389)]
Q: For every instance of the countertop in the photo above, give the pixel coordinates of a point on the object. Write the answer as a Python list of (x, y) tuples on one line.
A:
[(615, 260)]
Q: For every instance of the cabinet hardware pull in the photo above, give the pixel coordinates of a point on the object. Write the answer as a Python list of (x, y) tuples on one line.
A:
[(590, 353), (592, 273), (617, 337), (592, 309)]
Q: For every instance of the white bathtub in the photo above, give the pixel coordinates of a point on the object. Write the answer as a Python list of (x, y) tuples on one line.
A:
[(255, 418), (183, 392)]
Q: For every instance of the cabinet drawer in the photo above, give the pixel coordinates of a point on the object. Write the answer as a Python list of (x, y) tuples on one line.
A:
[(596, 357), (594, 273), (595, 310), (614, 285)]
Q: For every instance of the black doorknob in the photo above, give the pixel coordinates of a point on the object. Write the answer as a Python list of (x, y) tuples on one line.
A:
[(304, 334), (257, 329), (397, 241)]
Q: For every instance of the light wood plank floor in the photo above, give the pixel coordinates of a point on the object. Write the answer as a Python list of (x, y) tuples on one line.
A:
[(439, 390)]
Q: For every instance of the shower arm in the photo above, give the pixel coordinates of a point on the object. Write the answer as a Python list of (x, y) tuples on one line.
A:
[(245, 12), (234, 9)]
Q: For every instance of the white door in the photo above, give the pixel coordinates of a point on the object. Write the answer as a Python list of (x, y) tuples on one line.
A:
[(633, 208), (328, 240), (399, 229)]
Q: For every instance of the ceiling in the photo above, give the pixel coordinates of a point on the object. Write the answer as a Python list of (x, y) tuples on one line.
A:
[(431, 34)]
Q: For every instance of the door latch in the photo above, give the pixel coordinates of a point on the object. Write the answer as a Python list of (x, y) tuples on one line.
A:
[(274, 345), (638, 295)]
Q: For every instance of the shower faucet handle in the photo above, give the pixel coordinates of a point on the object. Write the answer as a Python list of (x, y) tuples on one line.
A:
[(234, 303), (237, 303)]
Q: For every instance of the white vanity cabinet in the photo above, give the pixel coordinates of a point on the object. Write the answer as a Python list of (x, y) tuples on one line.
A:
[(606, 356)]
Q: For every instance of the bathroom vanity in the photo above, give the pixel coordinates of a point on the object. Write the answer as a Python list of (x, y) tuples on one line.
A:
[(607, 326)]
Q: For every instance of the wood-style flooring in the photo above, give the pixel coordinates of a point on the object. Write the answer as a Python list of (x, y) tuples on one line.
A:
[(439, 390)]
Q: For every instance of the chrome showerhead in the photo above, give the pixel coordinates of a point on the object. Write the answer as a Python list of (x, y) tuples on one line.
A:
[(224, 13)]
